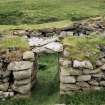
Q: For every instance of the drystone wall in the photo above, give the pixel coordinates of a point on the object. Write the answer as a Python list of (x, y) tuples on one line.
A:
[(18, 78), (76, 76)]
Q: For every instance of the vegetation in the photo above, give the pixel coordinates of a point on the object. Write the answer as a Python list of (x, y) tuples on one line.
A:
[(14, 42), (84, 47), (41, 11)]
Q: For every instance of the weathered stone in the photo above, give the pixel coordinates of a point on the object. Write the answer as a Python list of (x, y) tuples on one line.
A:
[(6, 94), (54, 46), (22, 82), (70, 72), (102, 83), (103, 67), (4, 74), (65, 63), (22, 89), (67, 79), (28, 55), (83, 64), (87, 71), (93, 82), (41, 41), (0, 66), (99, 63), (96, 88), (99, 75), (21, 75), (83, 84), (11, 94), (4, 86), (68, 87), (103, 60), (84, 78), (22, 65), (66, 53)]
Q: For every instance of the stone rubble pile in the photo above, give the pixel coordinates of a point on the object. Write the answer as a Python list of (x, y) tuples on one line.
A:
[(78, 75)]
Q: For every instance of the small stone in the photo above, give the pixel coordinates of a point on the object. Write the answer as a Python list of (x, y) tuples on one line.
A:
[(11, 94), (28, 55), (83, 64), (68, 87), (65, 63), (103, 60), (102, 83), (6, 94), (84, 78), (67, 79), (99, 63), (70, 72), (93, 82), (96, 88), (66, 53), (103, 67), (99, 75), (83, 84), (87, 71)]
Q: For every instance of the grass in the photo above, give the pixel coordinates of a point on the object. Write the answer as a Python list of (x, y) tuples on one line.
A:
[(14, 42), (82, 48), (42, 11), (60, 24)]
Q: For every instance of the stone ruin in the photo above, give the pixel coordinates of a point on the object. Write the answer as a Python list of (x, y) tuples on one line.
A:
[(19, 74), (18, 70), (77, 75)]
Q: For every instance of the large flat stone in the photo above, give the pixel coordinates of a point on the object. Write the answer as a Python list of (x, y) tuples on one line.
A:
[(82, 64), (84, 78), (67, 79), (21, 65), (68, 87)]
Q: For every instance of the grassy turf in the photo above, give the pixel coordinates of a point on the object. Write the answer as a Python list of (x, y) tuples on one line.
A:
[(41, 11), (14, 42), (83, 48)]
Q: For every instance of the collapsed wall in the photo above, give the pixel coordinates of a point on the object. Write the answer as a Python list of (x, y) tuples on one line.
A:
[(81, 74)]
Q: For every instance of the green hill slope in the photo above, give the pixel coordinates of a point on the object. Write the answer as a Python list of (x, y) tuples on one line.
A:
[(41, 11)]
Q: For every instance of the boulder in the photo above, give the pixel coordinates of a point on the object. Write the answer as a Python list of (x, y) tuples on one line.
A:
[(83, 64)]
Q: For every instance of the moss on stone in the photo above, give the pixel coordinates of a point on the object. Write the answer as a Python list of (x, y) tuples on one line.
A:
[(84, 48)]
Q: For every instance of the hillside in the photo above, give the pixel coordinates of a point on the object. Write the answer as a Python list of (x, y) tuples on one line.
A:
[(41, 11)]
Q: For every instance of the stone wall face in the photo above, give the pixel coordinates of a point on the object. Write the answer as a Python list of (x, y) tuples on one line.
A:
[(78, 75), (18, 78)]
